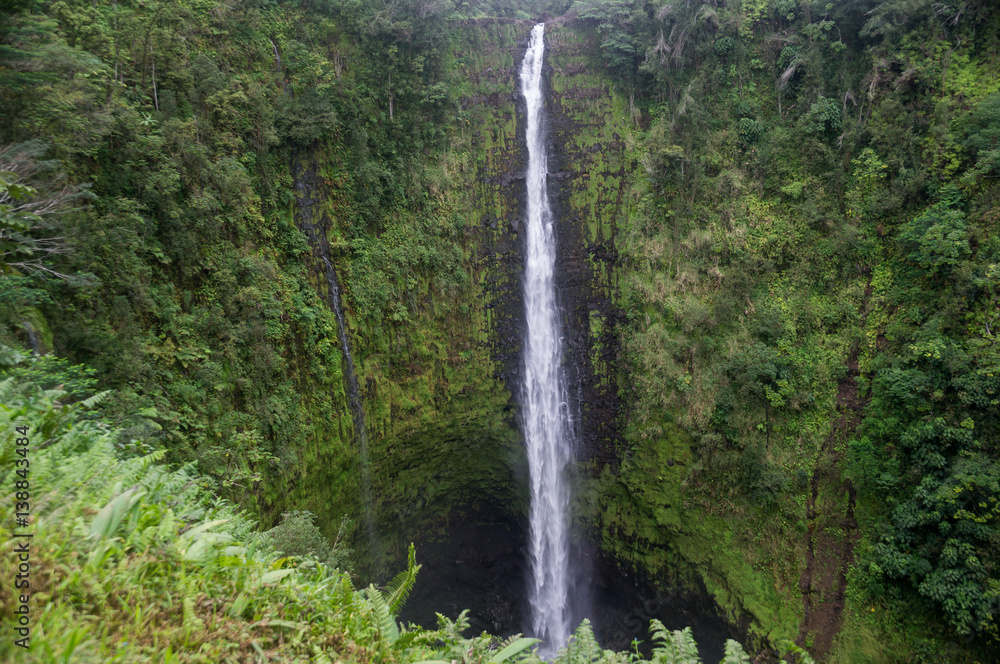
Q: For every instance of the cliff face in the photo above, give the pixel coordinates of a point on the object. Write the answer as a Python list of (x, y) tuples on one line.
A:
[(461, 450), (589, 184), (436, 384), (440, 386), (440, 389)]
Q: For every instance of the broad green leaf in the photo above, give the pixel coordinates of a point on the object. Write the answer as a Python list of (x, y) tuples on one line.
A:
[(194, 532), (111, 515), (199, 551), (518, 646), (239, 605), (276, 575)]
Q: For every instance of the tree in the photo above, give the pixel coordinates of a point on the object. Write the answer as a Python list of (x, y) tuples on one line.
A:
[(29, 231), (15, 222)]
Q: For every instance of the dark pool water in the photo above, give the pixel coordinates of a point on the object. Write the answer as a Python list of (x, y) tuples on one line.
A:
[(481, 566)]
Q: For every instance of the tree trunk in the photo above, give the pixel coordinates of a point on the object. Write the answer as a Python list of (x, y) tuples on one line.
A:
[(156, 101)]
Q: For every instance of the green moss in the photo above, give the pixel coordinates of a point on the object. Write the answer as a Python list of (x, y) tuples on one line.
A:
[(647, 520), (440, 433)]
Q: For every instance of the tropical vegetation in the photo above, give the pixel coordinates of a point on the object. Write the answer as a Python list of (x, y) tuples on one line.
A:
[(802, 264)]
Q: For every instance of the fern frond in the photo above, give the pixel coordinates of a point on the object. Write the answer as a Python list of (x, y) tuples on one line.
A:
[(320, 657), (659, 631), (735, 654), (453, 628), (384, 619), (462, 622), (582, 647), (406, 640), (192, 623), (8, 389), (167, 529), (787, 647), (503, 643), (399, 588), (677, 647), (90, 402)]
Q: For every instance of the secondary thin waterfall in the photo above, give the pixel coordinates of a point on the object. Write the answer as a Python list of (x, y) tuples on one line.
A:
[(358, 415), (544, 403)]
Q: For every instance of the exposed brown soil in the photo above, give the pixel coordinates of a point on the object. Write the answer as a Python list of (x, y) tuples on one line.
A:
[(832, 528)]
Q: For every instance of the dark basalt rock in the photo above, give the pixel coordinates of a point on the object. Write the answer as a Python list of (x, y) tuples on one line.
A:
[(582, 286)]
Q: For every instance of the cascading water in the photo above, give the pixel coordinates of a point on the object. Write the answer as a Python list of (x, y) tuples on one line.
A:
[(34, 340), (544, 404), (314, 224), (357, 413)]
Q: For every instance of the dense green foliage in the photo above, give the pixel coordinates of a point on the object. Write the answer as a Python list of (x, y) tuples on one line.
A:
[(169, 145), (187, 307), (808, 275), (154, 567), (816, 242)]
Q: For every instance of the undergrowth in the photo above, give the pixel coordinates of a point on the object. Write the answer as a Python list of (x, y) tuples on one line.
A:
[(133, 561)]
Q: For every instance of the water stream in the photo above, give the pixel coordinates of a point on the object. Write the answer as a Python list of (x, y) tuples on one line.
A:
[(34, 339), (313, 223), (545, 413), (357, 413), (487, 559)]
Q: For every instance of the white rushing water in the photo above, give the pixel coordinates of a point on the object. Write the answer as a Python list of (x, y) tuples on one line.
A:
[(544, 402)]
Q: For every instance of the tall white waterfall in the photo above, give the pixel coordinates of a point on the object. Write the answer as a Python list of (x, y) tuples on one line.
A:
[(544, 403)]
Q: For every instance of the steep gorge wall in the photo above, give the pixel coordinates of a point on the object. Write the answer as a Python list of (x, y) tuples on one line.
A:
[(439, 390), (589, 182), (631, 485), (435, 387)]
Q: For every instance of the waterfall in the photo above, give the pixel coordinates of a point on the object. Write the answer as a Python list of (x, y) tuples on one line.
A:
[(545, 414), (34, 340), (357, 414), (313, 222)]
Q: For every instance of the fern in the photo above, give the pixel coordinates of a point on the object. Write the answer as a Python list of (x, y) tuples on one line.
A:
[(98, 509), (92, 402), (455, 627), (384, 619), (582, 647), (8, 389), (786, 648), (399, 588), (503, 643), (677, 647), (735, 654), (167, 527), (320, 657), (407, 639), (192, 623)]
